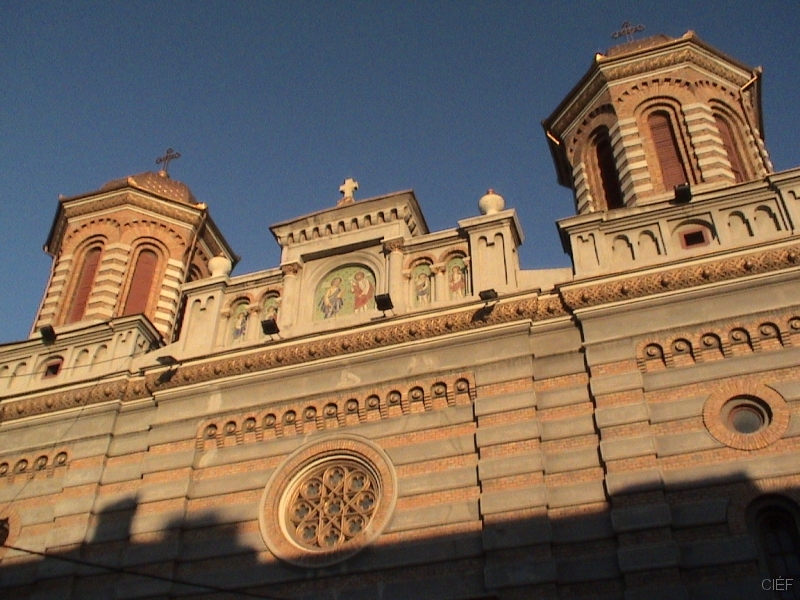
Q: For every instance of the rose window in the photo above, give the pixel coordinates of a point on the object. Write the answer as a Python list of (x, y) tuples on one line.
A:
[(327, 501), (331, 505)]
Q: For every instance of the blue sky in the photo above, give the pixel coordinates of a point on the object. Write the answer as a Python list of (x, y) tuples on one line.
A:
[(273, 104)]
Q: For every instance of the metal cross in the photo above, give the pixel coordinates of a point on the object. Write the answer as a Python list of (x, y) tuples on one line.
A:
[(349, 186), (170, 155), (627, 30)]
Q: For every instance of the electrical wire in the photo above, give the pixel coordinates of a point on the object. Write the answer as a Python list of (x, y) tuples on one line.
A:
[(123, 571)]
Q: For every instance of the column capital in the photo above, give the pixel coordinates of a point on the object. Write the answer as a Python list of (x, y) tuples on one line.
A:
[(395, 245), (292, 269)]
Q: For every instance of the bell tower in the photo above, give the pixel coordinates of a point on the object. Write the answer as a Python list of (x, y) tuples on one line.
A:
[(127, 249), (654, 114)]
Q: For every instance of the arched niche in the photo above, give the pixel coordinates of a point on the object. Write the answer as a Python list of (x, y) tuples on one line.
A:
[(239, 316), (346, 290), (458, 280), (422, 285)]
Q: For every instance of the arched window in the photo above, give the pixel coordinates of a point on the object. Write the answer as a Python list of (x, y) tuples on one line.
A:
[(194, 274), (774, 524), (731, 148), (607, 169), (88, 272), (141, 283), (673, 171)]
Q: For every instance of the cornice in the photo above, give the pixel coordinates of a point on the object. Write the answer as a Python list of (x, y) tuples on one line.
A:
[(569, 299), (160, 206), (679, 278), (671, 59), (274, 357), (73, 398), (187, 215)]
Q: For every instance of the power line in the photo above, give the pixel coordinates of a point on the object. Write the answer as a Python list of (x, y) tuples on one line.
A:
[(123, 571)]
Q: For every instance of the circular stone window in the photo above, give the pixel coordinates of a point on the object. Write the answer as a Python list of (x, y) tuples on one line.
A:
[(327, 501), (331, 504), (746, 416)]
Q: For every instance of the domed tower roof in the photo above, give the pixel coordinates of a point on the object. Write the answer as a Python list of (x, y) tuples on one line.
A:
[(127, 248), (160, 184), (654, 114)]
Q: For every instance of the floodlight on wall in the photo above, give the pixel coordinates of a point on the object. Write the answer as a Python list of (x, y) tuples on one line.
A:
[(683, 193), (384, 302), (488, 295), (270, 327), (48, 334), (5, 528), (167, 360)]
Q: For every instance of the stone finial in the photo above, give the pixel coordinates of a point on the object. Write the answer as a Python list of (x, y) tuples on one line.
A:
[(491, 203), (347, 188), (220, 266)]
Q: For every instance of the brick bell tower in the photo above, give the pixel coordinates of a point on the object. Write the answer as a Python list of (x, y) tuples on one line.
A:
[(653, 114), (126, 249)]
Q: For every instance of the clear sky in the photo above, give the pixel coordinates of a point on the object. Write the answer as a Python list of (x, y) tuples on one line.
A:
[(273, 104)]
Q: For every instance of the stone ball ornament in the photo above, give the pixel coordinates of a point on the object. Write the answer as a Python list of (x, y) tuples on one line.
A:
[(491, 202), (220, 266)]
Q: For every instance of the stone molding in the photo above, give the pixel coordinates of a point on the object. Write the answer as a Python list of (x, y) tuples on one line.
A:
[(160, 206), (30, 465), (680, 278), (336, 411), (530, 307), (653, 354)]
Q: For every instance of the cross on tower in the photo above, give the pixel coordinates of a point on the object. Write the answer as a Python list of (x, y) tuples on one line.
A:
[(170, 155), (627, 30), (349, 186)]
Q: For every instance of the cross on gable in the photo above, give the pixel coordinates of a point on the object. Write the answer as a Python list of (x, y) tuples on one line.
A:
[(347, 188), (170, 155)]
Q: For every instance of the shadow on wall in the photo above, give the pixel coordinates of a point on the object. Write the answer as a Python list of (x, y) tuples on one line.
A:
[(723, 538)]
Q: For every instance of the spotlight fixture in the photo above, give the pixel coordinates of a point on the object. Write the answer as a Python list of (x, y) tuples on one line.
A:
[(167, 360), (270, 327), (48, 334), (683, 193), (488, 295), (5, 528), (384, 302)]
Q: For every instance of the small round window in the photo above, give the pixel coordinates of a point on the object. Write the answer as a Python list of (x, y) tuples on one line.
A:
[(746, 415)]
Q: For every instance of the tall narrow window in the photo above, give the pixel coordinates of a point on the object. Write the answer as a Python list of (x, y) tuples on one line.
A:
[(780, 545), (773, 522), (673, 171), (141, 283), (731, 148), (80, 298), (607, 167)]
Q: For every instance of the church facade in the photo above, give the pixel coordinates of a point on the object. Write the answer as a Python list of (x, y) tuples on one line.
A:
[(398, 413)]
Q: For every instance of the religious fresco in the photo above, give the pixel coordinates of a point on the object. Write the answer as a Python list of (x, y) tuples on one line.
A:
[(269, 309), (239, 321), (422, 284), (457, 278), (345, 291)]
